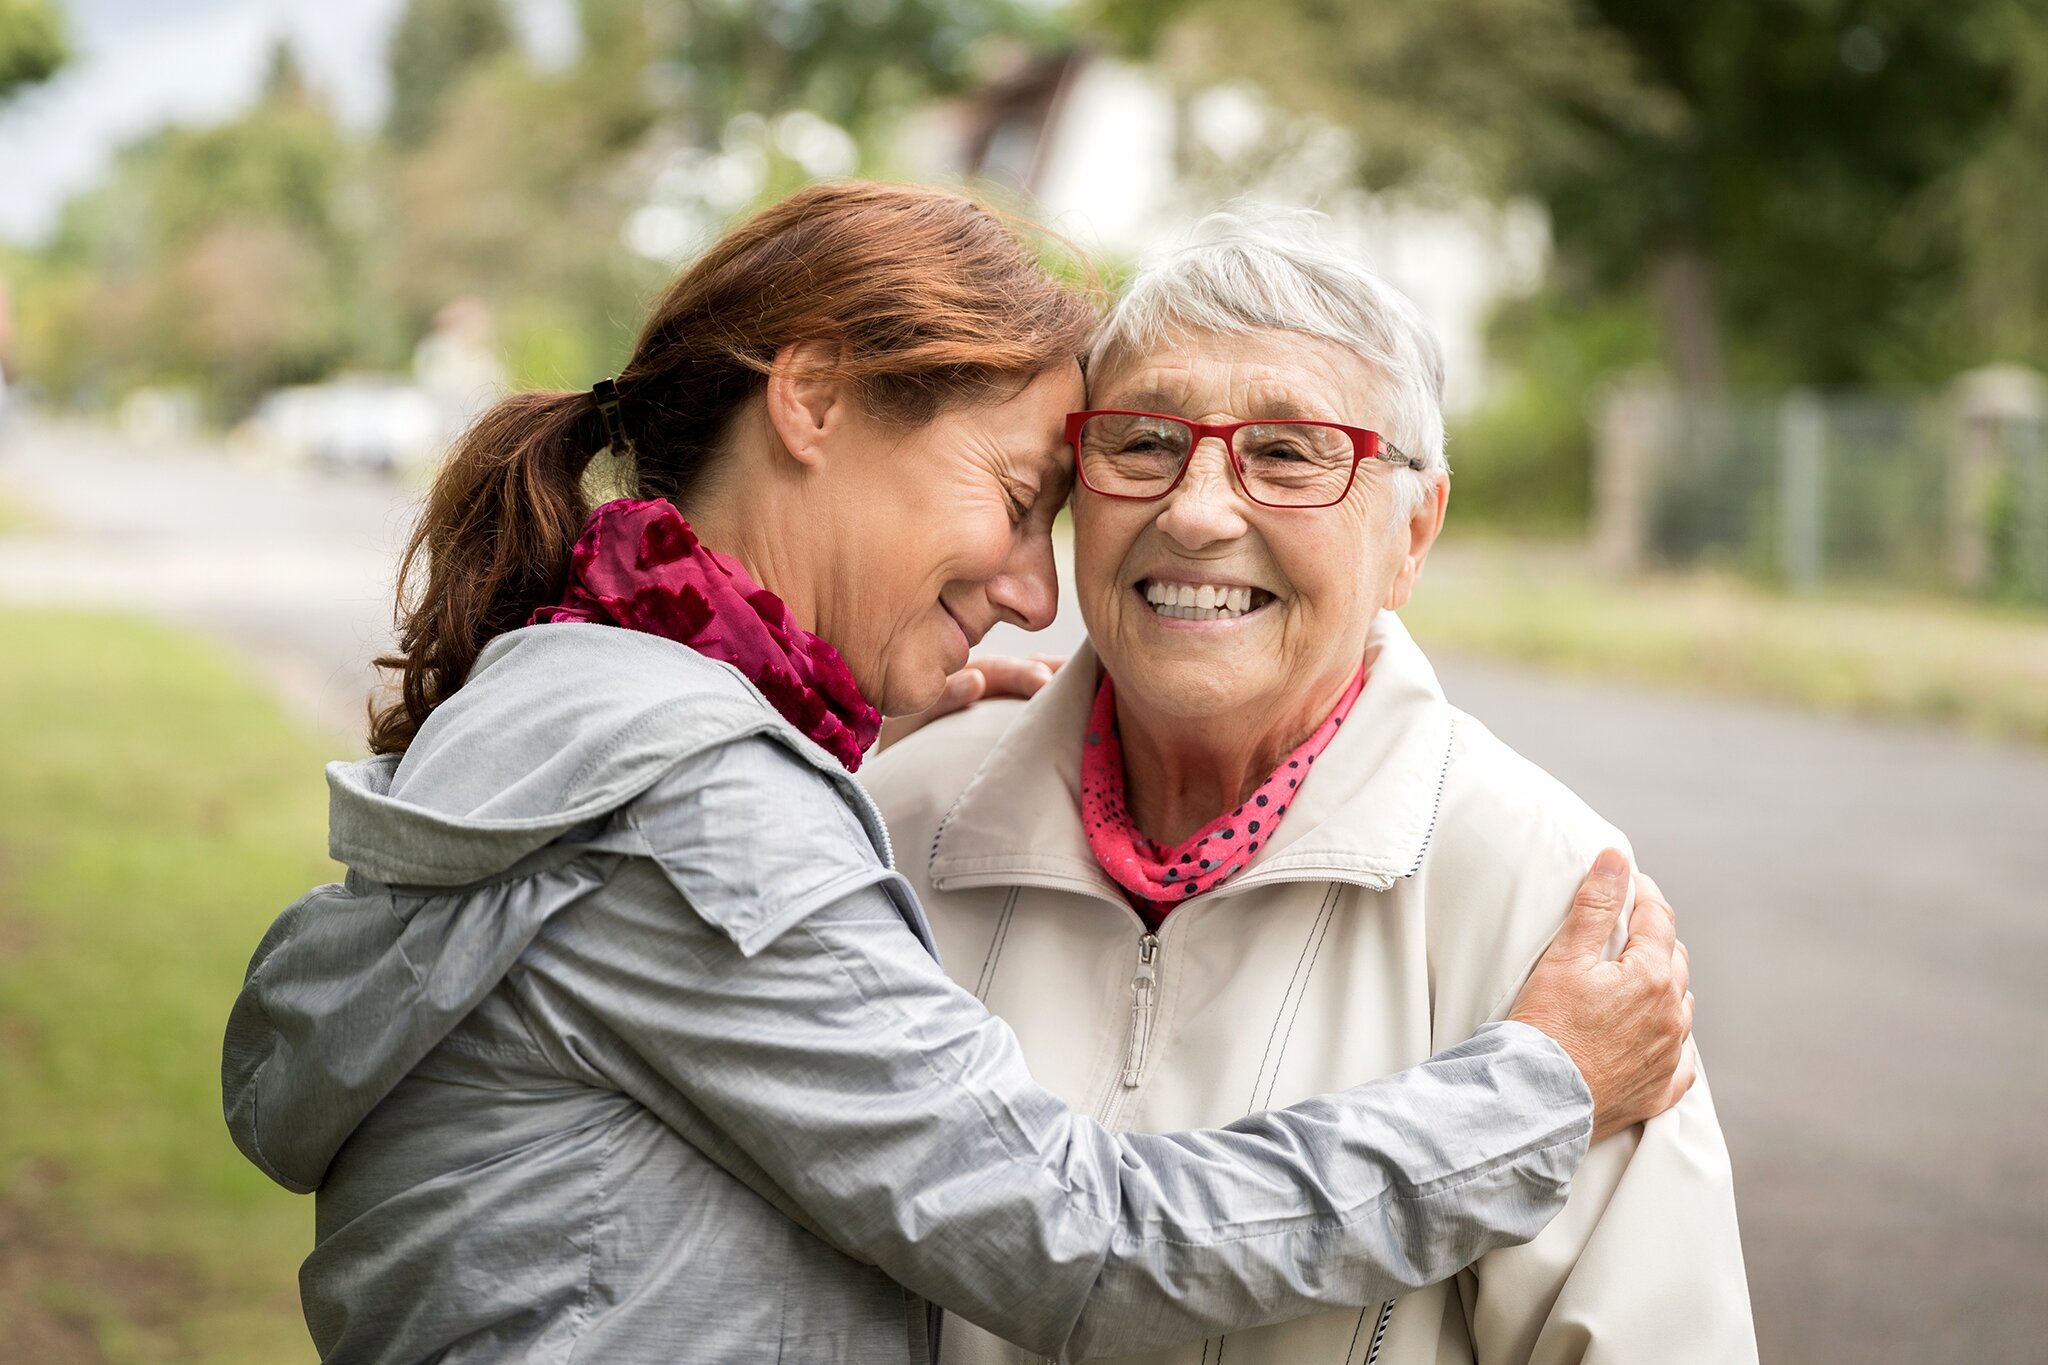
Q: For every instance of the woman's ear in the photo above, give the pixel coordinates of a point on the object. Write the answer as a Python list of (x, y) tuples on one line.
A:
[(807, 408), (1420, 531)]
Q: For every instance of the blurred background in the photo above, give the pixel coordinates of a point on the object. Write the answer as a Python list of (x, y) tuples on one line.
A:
[(1746, 312)]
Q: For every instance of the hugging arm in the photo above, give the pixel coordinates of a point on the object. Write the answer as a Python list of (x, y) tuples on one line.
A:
[(839, 1073)]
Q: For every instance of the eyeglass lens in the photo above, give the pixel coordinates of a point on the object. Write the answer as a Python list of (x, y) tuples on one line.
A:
[(1286, 464)]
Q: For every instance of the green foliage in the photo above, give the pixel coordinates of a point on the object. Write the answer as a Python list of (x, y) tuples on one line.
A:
[(1525, 457), (155, 813), (275, 248), (1807, 128), (1989, 211), (436, 44), (515, 199), (549, 345), (31, 43), (851, 61), (1459, 91), (1822, 193), (220, 257)]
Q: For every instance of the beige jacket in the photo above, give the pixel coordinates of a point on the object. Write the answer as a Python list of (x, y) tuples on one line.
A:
[(1412, 884)]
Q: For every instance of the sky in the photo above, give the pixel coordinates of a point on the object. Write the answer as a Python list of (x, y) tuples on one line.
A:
[(138, 64)]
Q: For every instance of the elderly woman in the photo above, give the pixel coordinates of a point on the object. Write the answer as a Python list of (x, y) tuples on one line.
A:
[(1242, 849)]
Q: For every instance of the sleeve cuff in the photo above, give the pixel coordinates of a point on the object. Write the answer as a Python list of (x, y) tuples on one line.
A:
[(1553, 1064)]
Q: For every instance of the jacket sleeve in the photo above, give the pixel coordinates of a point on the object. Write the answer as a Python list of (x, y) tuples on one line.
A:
[(837, 1070)]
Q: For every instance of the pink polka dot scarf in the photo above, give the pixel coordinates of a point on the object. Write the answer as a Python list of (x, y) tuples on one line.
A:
[(1154, 878), (639, 565)]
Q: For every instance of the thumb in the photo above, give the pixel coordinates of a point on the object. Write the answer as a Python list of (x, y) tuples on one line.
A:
[(1595, 908)]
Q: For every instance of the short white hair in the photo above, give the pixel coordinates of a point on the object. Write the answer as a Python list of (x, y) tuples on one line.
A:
[(1257, 268)]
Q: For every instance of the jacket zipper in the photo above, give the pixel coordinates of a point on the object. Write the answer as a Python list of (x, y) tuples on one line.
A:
[(1143, 987), (877, 823), (1138, 1030), (1379, 1333)]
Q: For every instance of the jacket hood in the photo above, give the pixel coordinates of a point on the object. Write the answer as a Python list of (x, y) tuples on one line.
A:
[(457, 854)]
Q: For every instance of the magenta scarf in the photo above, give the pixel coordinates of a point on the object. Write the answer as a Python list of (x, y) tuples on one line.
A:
[(639, 565), (1155, 878)]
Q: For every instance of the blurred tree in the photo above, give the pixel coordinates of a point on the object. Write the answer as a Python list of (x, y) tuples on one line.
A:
[(1993, 206), (436, 44), (1524, 458), (853, 62), (274, 247), (31, 43), (515, 197), (1760, 172), (520, 191), (1811, 192), (214, 257)]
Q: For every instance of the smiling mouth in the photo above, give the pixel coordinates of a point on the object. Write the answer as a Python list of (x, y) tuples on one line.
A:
[(1202, 601), (968, 633)]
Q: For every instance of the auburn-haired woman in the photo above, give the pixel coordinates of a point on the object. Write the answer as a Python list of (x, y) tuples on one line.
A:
[(623, 1041)]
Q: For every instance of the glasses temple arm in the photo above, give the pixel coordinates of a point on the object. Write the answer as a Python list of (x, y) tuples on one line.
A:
[(1393, 454)]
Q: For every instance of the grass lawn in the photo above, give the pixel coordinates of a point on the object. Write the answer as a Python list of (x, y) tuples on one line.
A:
[(1917, 658), (156, 811)]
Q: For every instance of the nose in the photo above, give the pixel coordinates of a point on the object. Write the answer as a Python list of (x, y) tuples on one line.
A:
[(1027, 590), (1206, 506)]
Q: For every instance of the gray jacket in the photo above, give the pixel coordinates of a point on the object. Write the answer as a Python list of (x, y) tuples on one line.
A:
[(623, 1042)]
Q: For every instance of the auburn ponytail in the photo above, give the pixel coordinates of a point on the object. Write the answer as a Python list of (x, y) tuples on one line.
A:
[(932, 299), (492, 545)]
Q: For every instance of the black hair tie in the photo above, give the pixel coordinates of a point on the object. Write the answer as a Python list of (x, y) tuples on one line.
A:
[(606, 392)]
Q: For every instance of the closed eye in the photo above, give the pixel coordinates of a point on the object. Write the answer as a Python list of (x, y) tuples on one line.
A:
[(1022, 501)]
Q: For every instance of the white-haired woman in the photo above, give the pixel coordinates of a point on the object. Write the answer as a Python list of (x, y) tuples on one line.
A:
[(1242, 848)]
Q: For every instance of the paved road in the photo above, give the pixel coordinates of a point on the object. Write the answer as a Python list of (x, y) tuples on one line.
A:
[(293, 567), (1867, 906)]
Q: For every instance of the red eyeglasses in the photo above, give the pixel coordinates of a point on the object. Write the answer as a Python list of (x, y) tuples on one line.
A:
[(1142, 456)]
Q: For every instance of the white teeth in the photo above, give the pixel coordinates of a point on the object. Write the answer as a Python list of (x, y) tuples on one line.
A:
[(1206, 602)]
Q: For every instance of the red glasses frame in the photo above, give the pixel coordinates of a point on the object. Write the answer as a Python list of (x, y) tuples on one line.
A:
[(1365, 445)]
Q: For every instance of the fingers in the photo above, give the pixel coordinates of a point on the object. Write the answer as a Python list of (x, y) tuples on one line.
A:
[(963, 689), (1652, 935), (1647, 889), (1681, 970), (1646, 1103), (1008, 677), (1600, 897)]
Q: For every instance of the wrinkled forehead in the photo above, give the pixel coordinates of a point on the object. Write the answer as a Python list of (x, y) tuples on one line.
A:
[(1260, 373)]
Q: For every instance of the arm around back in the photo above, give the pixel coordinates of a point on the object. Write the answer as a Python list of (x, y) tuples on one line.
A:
[(828, 1061)]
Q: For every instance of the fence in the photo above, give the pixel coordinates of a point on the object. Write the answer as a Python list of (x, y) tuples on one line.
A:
[(1945, 492)]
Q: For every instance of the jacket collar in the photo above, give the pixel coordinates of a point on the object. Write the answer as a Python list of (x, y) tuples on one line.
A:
[(1365, 816)]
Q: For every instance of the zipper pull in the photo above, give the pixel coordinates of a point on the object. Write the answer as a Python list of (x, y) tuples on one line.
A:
[(1142, 987)]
